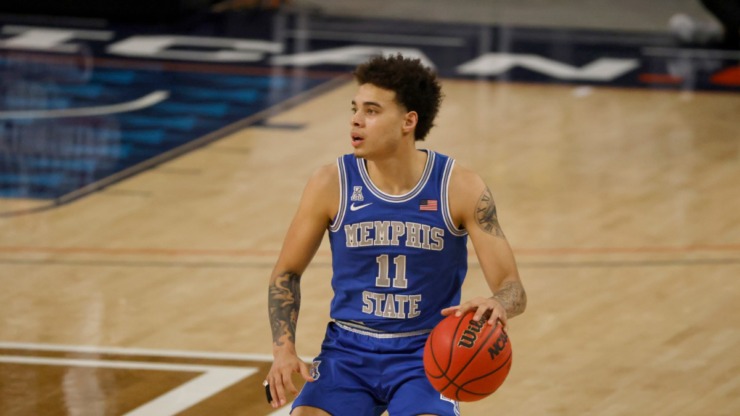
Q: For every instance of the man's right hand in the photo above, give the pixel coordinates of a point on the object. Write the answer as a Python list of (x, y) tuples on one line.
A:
[(280, 376)]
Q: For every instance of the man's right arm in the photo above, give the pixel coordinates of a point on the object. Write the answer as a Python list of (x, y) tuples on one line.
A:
[(284, 302), (317, 208)]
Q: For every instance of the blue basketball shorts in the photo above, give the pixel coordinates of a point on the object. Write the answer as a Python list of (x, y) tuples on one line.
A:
[(360, 374)]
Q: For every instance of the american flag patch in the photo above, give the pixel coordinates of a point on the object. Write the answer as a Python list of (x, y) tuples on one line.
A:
[(428, 205)]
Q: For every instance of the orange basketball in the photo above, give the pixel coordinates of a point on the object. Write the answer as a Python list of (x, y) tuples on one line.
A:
[(467, 360)]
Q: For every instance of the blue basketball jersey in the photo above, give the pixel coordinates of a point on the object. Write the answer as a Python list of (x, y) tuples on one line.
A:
[(398, 259)]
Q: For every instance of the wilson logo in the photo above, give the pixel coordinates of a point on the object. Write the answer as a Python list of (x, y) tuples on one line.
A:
[(470, 335)]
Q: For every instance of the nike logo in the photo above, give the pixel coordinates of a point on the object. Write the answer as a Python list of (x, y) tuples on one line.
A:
[(354, 207)]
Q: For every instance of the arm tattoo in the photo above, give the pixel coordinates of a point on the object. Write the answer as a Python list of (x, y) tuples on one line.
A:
[(283, 304), (485, 215), (512, 297)]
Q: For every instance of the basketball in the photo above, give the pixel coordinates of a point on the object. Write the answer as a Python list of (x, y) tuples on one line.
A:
[(467, 360)]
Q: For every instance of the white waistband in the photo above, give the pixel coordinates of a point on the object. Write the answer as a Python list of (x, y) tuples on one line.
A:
[(377, 334)]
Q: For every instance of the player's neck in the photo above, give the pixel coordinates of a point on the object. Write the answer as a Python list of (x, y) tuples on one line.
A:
[(399, 174)]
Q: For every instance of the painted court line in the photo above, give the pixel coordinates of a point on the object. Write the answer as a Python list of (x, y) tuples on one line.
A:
[(273, 253), (192, 392), (94, 349), (213, 380)]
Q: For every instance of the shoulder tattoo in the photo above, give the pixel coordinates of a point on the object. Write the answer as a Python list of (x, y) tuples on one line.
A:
[(485, 215)]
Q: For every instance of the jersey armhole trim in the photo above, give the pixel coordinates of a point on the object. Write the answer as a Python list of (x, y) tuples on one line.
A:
[(446, 213), (337, 223)]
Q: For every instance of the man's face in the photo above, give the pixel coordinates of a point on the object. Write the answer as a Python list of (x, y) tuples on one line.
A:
[(377, 122)]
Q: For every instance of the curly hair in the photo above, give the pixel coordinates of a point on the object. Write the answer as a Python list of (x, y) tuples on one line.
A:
[(416, 86)]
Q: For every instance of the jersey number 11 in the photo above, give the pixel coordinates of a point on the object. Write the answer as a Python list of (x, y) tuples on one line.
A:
[(383, 279)]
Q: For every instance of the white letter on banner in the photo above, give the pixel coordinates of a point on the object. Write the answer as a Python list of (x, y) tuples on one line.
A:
[(230, 50), (602, 69), (348, 55)]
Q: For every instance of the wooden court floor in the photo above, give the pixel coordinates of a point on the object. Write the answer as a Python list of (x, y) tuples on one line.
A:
[(622, 206)]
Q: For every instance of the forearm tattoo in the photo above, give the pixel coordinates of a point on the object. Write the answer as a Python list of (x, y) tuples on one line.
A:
[(284, 302), (512, 298), (485, 215)]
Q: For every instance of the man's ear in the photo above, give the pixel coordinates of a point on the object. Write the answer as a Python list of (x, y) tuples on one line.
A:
[(409, 122)]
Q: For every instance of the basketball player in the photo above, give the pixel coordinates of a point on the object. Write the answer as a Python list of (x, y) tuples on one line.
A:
[(398, 219)]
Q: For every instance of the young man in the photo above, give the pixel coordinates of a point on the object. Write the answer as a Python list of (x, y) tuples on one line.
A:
[(398, 220)]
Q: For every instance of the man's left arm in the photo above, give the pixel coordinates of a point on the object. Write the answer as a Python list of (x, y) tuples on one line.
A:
[(475, 210)]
